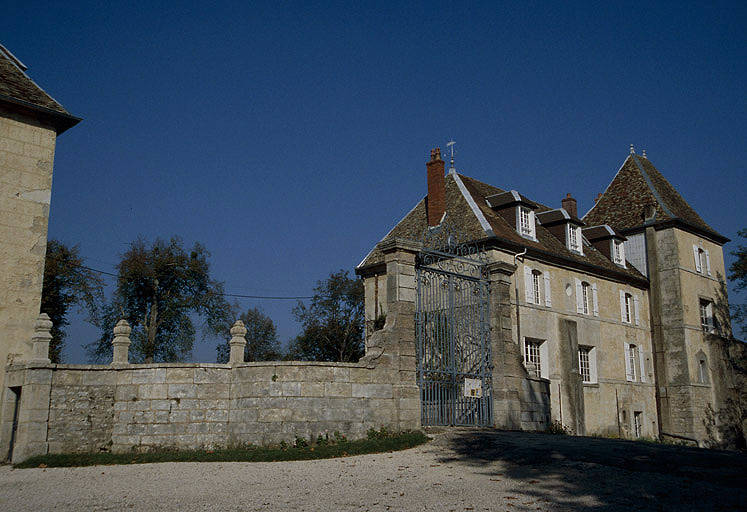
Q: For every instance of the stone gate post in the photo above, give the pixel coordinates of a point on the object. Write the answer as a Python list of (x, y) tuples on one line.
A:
[(121, 342), (393, 347), (507, 376)]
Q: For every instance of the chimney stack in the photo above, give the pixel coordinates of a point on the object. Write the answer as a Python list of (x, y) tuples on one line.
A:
[(436, 201), (569, 205)]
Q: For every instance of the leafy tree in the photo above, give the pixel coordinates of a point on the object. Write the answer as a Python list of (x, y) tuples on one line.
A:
[(332, 322), (738, 273), (67, 283), (160, 287), (261, 338)]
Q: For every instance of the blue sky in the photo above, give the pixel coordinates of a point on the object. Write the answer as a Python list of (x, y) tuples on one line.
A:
[(288, 137)]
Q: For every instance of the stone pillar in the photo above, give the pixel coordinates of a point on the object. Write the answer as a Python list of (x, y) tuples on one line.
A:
[(506, 352), (237, 343), (40, 340), (393, 348), (121, 342)]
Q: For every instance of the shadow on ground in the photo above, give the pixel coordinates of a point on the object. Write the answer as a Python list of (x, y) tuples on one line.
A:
[(612, 474)]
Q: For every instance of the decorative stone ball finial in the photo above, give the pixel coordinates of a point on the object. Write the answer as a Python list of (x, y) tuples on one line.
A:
[(42, 337), (237, 343), (632, 150), (121, 342)]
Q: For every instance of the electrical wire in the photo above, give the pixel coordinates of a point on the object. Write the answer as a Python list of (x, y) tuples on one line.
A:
[(234, 295)]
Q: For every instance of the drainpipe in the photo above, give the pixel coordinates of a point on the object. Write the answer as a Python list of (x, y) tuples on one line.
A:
[(516, 293)]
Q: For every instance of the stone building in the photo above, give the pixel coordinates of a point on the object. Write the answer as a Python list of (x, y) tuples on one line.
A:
[(30, 121), (606, 324)]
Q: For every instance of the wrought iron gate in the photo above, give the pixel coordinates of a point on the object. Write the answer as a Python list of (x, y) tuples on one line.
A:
[(453, 335)]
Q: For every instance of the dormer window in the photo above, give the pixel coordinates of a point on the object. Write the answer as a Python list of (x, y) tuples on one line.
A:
[(618, 252), (573, 236), (526, 223)]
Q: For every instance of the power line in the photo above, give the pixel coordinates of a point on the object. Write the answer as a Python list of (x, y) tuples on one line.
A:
[(235, 295)]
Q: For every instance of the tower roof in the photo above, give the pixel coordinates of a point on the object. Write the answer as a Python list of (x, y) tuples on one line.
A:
[(639, 195), (20, 93)]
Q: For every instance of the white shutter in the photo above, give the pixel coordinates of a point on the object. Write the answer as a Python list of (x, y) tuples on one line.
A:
[(579, 297), (635, 310), (628, 369), (708, 262), (642, 360), (696, 256), (622, 305), (528, 285), (595, 299), (548, 297)]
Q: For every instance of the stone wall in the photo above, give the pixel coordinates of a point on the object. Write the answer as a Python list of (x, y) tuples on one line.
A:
[(189, 406), (123, 407)]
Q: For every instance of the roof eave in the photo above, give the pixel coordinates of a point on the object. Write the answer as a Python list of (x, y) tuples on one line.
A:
[(658, 225), (60, 120)]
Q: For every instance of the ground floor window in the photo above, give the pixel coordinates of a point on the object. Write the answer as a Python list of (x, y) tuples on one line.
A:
[(536, 358), (587, 364)]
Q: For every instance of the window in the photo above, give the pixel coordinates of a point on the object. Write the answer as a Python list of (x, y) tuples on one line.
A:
[(635, 363), (702, 260), (618, 253), (537, 283), (585, 292), (573, 235), (637, 423), (536, 277), (586, 298), (587, 366), (628, 311), (706, 315), (535, 357), (526, 223), (629, 308), (630, 362), (702, 371)]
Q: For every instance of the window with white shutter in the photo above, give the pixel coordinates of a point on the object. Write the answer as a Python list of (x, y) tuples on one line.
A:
[(707, 262), (696, 257), (636, 310), (642, 365), (528, 285), (579, 297), (630, 357), (548, 297)]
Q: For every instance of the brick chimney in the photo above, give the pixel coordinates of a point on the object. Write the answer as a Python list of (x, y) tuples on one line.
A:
[(569, 205), (436, 201)]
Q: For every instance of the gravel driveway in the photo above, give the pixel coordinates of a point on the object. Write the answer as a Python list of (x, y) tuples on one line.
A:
[(459, 470)]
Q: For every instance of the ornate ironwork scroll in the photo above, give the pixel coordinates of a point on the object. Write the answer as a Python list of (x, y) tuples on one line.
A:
[(448, 248)]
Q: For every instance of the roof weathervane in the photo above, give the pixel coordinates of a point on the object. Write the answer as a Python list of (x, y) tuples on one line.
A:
[(450, 145)]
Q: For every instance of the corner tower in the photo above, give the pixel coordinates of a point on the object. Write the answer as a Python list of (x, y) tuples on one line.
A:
[(682, 257), (30, 121)]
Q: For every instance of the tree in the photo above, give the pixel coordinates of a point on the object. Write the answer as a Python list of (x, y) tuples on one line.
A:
[(261, 338), (738, 273), (332, 322), (67, 283), (159, 289)]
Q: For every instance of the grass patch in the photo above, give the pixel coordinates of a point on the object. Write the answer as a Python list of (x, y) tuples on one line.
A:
[(251, 454)]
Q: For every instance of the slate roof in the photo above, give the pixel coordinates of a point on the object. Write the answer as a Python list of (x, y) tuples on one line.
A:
[(638, 184), (479, 222), (20, 92)]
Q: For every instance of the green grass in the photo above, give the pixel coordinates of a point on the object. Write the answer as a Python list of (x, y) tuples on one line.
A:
[(251, 454)]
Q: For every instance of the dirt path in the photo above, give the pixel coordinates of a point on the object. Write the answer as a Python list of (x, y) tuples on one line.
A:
[(464, 470)]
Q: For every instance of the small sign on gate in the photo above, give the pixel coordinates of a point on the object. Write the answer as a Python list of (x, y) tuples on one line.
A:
[(473, 388)]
